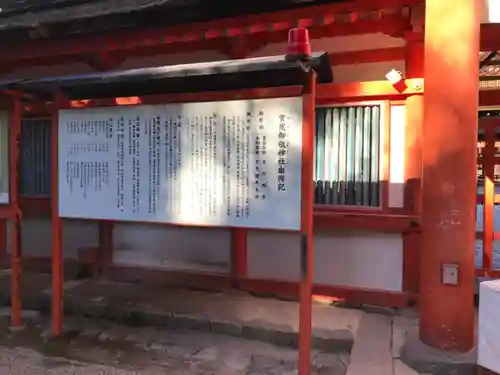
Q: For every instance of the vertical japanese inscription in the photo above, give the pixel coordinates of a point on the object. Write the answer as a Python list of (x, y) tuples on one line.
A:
[(213, 167), (282, 153), (261, 174), (177, 163), (153, 136), (227, 164), (216, 163), (120, 163)]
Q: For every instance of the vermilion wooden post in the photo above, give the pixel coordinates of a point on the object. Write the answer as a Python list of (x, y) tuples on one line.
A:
[(414, 56), (57, 256), (449, 172), (106, 243), (14, 133), (3, 243), (239, 254), (307, 204), (489, 194)]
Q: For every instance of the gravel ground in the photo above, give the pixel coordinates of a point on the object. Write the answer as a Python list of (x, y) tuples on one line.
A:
[(96, 347), (14, 361)]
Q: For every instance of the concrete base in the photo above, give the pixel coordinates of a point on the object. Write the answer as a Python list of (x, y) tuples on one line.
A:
[(427, 360)]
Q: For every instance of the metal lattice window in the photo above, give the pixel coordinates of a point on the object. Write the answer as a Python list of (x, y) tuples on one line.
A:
[(35, 157), (347, 158)]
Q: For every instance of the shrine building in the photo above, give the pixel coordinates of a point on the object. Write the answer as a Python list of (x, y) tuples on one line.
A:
[(405, 148)]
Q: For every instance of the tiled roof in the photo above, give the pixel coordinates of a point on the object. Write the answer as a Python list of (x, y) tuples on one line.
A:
[(32, 13), (27, 14)]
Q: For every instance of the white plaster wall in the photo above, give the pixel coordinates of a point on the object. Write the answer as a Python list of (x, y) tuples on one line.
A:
[(158, 246), (491, 11), (397, 156), (36, 237), (354, 258), (358, 258)]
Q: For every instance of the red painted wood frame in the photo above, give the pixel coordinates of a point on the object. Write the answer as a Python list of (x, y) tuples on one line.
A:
[(345, 18), (378, 220), (307, 231), (246, 33), (239, 246), (11, 210), (57, 249), (15, 212)]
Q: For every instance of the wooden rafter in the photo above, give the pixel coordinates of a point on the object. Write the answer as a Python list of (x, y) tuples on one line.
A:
[(349, 18)]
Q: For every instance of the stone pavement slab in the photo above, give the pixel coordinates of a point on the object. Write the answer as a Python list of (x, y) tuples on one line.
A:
[(402, 369), (235, 314), (371, 353)]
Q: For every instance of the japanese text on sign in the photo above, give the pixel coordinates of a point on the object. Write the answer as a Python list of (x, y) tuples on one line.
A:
[(233, 163)]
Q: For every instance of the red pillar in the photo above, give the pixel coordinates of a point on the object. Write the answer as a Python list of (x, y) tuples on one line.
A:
[(449, 171), (106, 244), (238, 255), (15, 230), (307, 233), (3, 243), (57, 256)]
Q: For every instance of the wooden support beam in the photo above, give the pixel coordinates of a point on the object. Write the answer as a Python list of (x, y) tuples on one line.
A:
[(265, 287), (307, 224), (322, 20), (57, 250), (414, 58), (490, 37), (325, 94), (447, 315), (15, 240), (372, 90), (3, 243), (106, 244), (489, 98), (239, 260)]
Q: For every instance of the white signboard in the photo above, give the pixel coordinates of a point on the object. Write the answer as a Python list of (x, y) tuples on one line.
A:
[(232, 163)]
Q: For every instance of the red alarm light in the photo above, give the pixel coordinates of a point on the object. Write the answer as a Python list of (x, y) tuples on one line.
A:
[(298, 47)]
